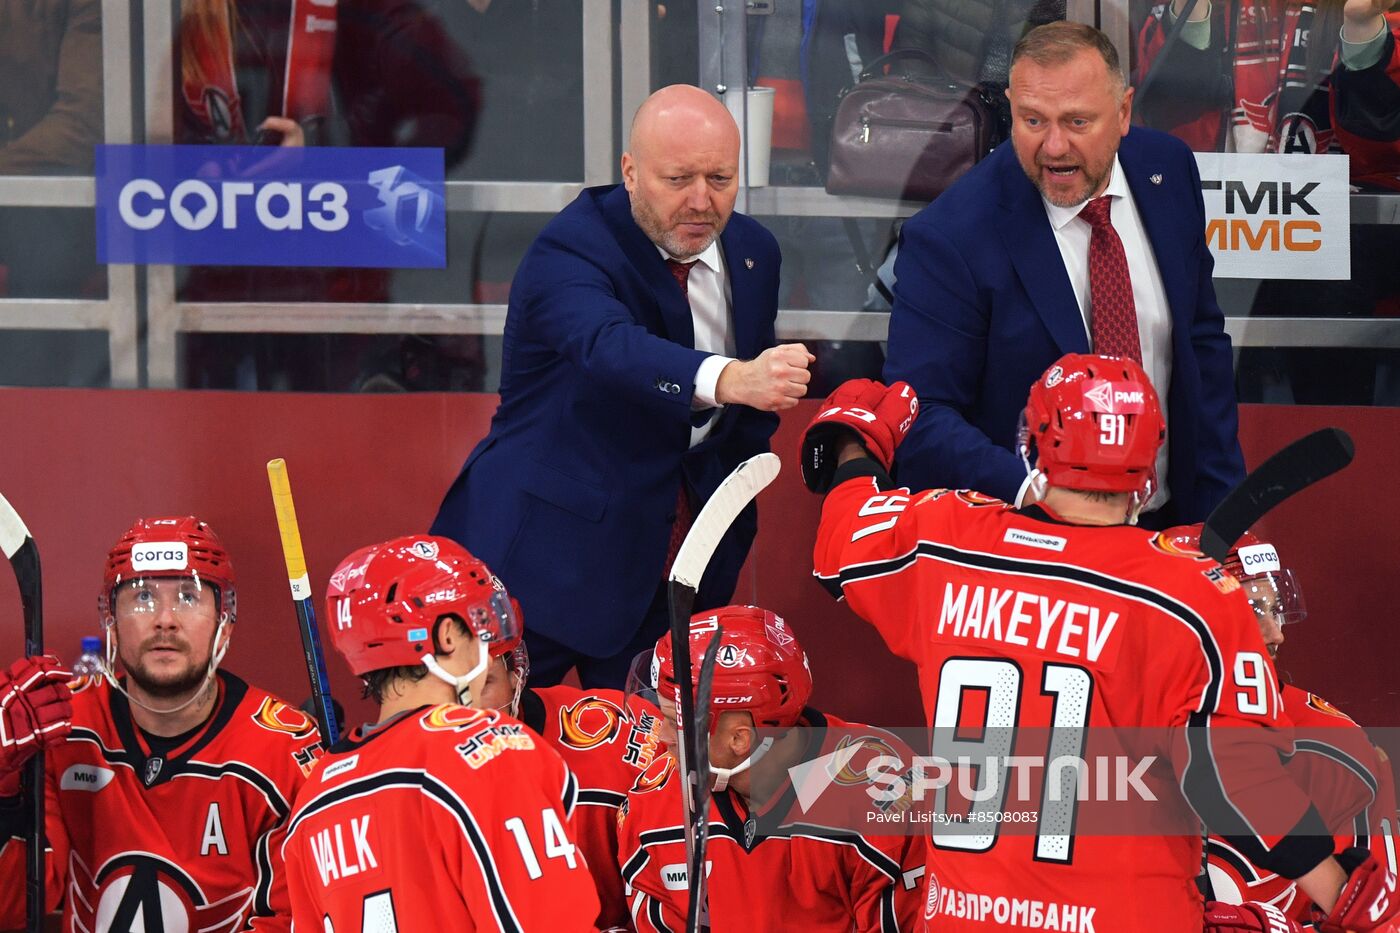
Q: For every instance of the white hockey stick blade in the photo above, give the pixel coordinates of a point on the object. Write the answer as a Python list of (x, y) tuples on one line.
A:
[(13, 533), (738, 489)]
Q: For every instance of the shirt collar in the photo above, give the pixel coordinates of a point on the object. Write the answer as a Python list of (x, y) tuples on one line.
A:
[(1117, 188), (710, 257)]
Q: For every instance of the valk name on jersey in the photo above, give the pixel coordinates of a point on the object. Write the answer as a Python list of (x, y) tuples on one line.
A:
[(332, 858), (1016, 617)]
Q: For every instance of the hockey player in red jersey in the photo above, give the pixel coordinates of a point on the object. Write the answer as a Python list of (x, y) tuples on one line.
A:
[(607, 739), (438, 816), (774, 879), (167, 801), (1063, 615), (1333, 761)]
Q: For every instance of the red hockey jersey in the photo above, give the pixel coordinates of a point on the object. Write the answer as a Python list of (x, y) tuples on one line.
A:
[(608, 747), (445, 818), (1348, 778), (789, 879), (187, 839), (1018, 623)]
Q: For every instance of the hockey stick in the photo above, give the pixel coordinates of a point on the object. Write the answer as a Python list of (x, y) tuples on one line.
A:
[(23, 555), (734, 494), (1306, 461), (697, 910), (301, 596)]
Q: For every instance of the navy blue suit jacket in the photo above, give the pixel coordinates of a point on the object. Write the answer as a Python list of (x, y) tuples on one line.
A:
[(571, 497), (983, 306)]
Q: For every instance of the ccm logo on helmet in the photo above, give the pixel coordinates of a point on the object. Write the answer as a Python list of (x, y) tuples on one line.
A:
[(160, 555), (720, 700)]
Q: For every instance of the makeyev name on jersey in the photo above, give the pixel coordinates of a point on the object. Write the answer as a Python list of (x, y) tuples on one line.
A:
[(1028, 620)]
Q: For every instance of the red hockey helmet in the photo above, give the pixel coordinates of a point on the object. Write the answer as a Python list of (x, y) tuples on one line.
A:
[(384, 600), (1094, 423), (155, 548), (760, 666), (1254, 561)]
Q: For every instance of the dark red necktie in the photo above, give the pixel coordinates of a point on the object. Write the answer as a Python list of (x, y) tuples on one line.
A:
[(685, 515), (1113, 324)]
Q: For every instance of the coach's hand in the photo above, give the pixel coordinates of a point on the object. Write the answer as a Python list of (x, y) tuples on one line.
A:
[(1249, 917), (772, 381), (877, 416), (1368, 900), (35, 711)]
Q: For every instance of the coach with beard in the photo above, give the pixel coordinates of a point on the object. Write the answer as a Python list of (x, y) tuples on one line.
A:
[(639, 368), (1081, 234)]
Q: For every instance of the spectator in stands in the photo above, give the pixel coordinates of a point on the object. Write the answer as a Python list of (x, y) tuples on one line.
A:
[(1290, 76), (1063, 241), (360, 72), (50, 120), (639, 370), (1304, 76)]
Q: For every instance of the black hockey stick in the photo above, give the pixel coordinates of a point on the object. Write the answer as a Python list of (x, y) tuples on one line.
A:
[(735, 493), (23, 555), (301, 595), (1288, 472), (697, 910)]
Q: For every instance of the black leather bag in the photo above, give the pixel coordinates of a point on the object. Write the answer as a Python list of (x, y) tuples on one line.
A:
[(907, 137)]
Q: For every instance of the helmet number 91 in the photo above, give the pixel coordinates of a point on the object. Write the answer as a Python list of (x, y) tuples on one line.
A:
[(1112, 430)]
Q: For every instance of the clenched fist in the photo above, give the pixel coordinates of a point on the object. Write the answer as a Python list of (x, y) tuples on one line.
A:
[(877, 416), (772, 381), (34, 712)]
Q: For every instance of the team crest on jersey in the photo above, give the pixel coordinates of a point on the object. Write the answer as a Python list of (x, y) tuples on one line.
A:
[(977, 500), (486, 745), (933, 495), (276, 716), (856, 770), (1322, 706), (139, 892), (152, 770), (590, 723), (1168, 544), (655, 775), (449, 717)]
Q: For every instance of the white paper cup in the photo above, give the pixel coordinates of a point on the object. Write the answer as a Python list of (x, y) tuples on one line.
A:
[(756, 140)]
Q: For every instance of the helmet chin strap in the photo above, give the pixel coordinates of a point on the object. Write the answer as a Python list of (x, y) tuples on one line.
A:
[(462, 685), (221, 647), (723, 776)]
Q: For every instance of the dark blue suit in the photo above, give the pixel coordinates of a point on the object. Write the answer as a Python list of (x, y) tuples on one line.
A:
[(571, 497), (983, 306)]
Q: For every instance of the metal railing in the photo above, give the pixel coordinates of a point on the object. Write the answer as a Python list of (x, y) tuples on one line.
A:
[(127, 305)]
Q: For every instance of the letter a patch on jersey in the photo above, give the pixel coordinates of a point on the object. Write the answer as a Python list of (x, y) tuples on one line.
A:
[(213, 833)]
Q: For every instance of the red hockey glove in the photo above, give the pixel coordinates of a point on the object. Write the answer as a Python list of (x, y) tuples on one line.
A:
[(35, 709), (1368, 900), (879, 418), (1249, 917)]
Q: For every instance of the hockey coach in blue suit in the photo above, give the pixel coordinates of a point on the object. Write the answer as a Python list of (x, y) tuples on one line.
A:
[(639, 368), (1078, 235)]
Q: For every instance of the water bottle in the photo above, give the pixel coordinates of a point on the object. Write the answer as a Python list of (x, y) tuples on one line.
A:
[(89, 663)]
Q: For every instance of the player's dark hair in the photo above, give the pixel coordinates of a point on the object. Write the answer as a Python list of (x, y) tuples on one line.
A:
[(377, 683)]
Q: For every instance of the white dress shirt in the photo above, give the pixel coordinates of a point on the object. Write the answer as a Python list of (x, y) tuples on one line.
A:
[(1149, 295), (708, 290)]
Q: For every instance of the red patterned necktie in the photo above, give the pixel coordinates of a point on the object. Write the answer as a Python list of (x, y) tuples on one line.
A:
[(1113, 324), (680, 271), (685, 515)]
